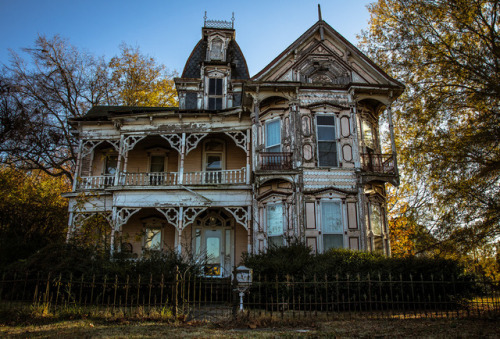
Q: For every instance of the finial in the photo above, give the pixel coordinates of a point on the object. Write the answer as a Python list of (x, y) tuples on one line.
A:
[(319, 13), (205, 19), (232, 19)]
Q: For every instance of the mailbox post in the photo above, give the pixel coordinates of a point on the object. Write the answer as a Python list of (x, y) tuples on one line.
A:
[(243, 282)]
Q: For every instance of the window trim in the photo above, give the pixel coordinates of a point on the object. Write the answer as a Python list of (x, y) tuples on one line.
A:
[(336, 140), (222, 96)]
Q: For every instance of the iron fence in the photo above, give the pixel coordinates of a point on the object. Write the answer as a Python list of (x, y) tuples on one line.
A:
[(194, 297)]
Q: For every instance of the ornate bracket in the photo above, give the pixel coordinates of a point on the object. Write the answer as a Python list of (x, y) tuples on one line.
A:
[(171, 214), (240, 214), (190, 214), (174, 140), (192, 140), (88, 146), (80, 217), (123, 215), (239, 138), (130, 142)]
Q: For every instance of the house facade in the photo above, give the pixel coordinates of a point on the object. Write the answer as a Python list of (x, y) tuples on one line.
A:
[(290, 154)]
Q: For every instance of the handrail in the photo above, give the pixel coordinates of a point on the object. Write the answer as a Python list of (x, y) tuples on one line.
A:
[(378, 163), (275, 160)]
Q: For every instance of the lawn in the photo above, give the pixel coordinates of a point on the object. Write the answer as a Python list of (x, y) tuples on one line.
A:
[(463, 328)]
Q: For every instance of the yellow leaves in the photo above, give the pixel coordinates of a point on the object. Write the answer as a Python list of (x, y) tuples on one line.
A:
[(140, 80)]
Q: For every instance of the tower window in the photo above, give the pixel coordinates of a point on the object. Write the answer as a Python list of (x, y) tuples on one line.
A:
[(215, 94)]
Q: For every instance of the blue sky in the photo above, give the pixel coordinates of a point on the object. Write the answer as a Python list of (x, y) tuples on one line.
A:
[(168, 30)]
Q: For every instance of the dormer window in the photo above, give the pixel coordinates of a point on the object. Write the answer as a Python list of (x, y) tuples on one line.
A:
[(215, 94), (216, 49)]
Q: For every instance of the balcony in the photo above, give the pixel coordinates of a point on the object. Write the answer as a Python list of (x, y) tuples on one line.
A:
[(224, 177), (378, 163), (275, 161)]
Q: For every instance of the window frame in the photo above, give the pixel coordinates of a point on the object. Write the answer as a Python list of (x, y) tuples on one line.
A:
[(215, 96), (282, 234), (266, 146), (322, 223), (336, 141)]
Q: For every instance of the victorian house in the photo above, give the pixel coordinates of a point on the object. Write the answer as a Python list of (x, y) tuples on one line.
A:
[(244, 163)]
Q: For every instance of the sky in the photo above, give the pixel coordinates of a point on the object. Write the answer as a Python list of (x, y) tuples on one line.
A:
[(168, 30)]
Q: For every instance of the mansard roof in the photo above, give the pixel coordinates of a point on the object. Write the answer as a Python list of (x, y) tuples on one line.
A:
[(322, 41), (235, 57)]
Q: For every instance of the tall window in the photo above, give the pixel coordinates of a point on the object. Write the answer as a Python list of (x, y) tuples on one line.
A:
[(327, 142), (368, 135), (111, 164), (215, 94), (274, 220), (376, 222), (331, 223), (157, 163), (273, 136)]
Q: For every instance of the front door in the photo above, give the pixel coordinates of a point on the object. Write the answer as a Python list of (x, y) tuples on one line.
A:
[(213, 245)]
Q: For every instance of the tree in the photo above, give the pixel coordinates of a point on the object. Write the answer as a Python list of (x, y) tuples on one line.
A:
[(448, 120), (32, 212), (59, 83), (140, 80)]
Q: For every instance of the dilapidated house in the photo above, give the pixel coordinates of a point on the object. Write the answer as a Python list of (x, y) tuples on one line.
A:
[(290, 154)]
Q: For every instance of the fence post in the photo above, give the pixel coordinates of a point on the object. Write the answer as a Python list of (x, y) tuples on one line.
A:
[(176, 291), (234, 294)]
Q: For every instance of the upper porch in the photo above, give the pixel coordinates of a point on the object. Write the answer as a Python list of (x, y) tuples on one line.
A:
[(162, 160)]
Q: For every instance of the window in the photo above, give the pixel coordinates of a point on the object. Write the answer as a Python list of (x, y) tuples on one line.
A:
[(111, 164), (215, 94), (214, 151), (332, 226), (327, 142), (376, 227), (216, 49), (368, 135), (152, 239), (274, 214), (273, 136), (157, 163)]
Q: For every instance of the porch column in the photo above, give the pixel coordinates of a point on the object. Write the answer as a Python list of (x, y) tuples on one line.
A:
[(393, 142), (78, 164), (247, 179), (249, 230), (119, 164), (255, 133), (180, 225), (183, 152), (70, 227), (113, 228), (354, 131)]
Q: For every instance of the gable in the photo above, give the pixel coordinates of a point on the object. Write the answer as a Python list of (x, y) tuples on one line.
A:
[(322, 56)]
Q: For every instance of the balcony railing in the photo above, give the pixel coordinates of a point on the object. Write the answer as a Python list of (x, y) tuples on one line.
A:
[(224, 177), (378, 163), (271, 161), (96, 182)]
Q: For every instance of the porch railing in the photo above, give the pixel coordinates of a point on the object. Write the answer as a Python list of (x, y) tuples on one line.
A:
[(237, 176), (378, 163), (227, 177), (95, 182), (270, 161)]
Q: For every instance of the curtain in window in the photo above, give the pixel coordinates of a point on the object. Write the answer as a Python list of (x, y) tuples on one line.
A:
[(274, 220), (273, 136), (331, 217)]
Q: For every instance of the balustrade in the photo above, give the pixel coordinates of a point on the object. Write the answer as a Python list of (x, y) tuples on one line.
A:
[(378, 163)]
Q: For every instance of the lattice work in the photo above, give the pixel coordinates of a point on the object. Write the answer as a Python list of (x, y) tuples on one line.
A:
[(130, 142), (190, 214), (239, 138), (192, 140), (171, 214), (123, 215), (174, 140), (240, 214)]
